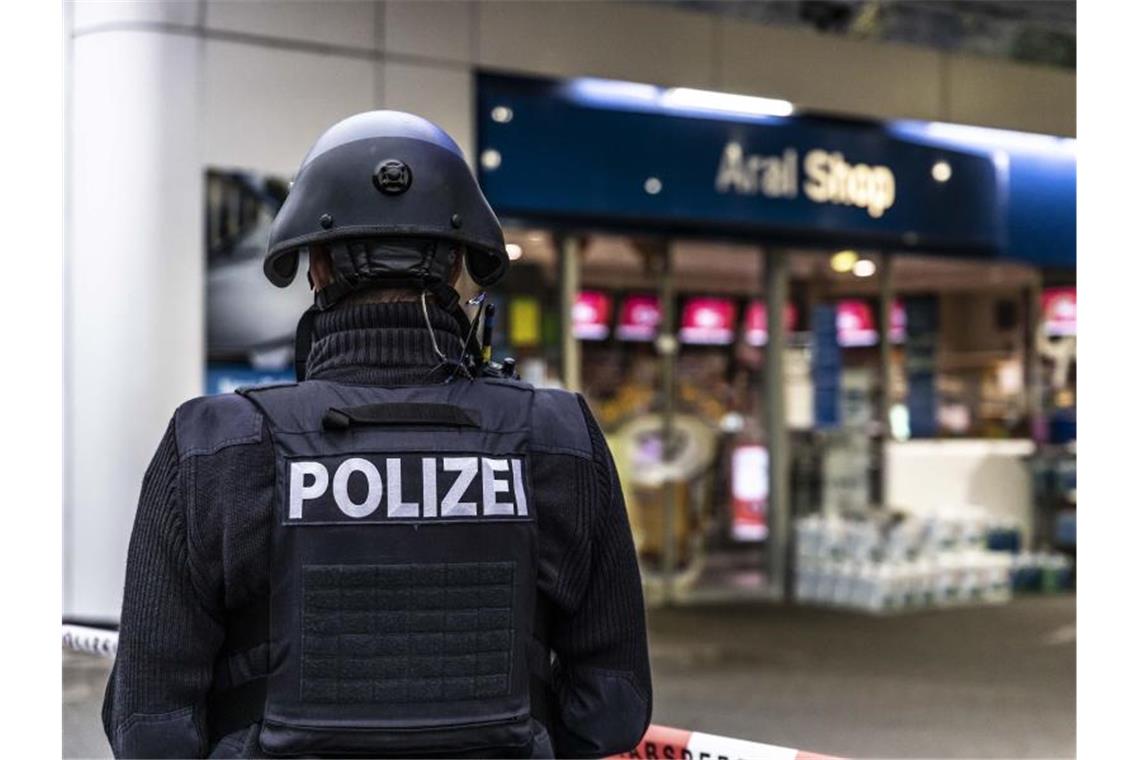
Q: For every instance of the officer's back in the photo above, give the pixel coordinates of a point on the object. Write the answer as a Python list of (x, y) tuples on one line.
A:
[(407, 553)]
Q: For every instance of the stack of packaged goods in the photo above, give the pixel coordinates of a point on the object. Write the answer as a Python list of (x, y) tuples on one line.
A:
[(892, 562), (1045, 572)]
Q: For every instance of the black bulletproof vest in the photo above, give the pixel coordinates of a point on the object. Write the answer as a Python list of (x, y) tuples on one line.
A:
[(403, 570)]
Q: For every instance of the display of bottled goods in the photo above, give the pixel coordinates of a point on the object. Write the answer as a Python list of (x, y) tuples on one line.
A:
[(890, 562), (1045, 572)]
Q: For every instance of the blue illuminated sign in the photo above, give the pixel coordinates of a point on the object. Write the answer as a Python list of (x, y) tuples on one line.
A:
[(607, 154), (1041, 173)]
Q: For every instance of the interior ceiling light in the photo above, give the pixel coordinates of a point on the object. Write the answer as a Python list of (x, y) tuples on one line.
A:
[(612, 90), (941, 171), (636, 96), (863, 268), (652, 185), (710, 100), (514, 251), (502, 114), (844, 261)]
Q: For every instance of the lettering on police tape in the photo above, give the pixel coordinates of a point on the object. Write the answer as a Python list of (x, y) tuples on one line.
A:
[(90, 640), (380, 488), (828, 178), (708, 747), (651, 751), (667, 743)]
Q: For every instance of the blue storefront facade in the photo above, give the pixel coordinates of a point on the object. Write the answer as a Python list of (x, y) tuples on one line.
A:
[(589, 157), (622, 155)]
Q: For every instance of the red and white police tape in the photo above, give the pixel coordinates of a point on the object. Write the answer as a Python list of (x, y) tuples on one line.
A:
[(659, 742), (664, 743), (83, 638)]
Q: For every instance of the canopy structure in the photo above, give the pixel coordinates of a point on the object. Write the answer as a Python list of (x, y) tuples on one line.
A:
[(610, 154)]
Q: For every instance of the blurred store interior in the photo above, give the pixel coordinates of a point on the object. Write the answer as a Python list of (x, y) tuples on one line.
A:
[(812, 265)]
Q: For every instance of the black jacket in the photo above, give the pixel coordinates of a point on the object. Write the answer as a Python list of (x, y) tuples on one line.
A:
[(199, 558)]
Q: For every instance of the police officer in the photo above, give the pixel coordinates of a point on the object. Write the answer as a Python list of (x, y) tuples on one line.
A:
[(407, 553)]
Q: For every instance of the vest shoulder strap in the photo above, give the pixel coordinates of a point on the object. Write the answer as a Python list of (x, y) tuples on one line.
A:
[(560, 423), (208, 424)]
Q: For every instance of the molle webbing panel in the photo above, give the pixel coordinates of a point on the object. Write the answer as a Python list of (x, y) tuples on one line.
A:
[(375, 634)]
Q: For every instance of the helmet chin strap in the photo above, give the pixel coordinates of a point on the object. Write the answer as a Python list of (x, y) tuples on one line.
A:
[(430, 329)]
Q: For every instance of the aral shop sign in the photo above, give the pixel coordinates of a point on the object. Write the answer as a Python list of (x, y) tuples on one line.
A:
[(607, 155), (823, 177)]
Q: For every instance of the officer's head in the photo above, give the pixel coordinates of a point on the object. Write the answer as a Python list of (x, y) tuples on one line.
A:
[(322, 274), (385, 200)]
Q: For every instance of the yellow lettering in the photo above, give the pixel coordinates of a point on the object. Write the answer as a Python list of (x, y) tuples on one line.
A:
[(733, 173), (884, 196), (816, 172)]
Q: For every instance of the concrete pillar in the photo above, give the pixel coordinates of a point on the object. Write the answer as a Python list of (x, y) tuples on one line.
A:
[(134, 281), (886, 299), (1038, 404), (569, 250), (1036, 389), (775, 414), (668, 347)]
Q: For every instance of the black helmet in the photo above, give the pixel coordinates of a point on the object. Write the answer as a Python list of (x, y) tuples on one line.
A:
[(391, 195)]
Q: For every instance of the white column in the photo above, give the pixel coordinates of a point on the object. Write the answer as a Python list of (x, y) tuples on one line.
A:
[(134, 282)]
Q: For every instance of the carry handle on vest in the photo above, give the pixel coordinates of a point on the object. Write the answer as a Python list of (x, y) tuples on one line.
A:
[(400, 414)]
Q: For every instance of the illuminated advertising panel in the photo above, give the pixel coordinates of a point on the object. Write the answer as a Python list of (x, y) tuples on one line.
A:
[(639, 318), (708, 321), (591, 315), (898, 322), (756, 322), (750, 493), (1059, 311), (855, 322)]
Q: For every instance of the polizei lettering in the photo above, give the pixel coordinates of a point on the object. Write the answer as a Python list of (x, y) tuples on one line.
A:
[(380, 488)]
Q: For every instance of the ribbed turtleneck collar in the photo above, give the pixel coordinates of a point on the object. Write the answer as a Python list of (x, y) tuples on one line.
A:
[(381, 343)]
